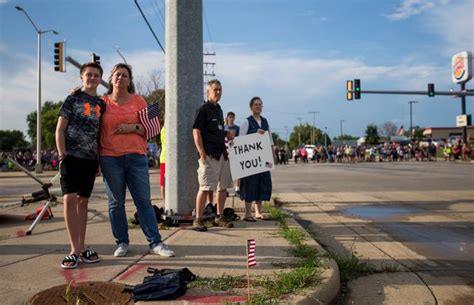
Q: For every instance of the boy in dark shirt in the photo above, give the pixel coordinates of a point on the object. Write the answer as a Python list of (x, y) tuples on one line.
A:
[(77, 134)]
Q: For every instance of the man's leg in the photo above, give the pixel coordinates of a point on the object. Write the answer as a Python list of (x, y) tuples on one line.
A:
[(200, 202)]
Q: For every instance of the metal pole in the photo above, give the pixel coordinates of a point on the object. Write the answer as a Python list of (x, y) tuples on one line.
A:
[(38, 166), (299, 131), (117, 49), (463, 112), (325, 137), (411, 118), (314, 125)]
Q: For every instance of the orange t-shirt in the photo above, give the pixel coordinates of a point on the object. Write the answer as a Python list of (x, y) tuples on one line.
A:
[(115, 145)]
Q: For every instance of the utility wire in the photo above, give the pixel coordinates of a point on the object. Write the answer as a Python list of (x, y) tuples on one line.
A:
[(149, 26), (159, 14), (209, 32)]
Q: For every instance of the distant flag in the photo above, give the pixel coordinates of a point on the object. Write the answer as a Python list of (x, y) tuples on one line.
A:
[(251, 253), (400, 131), (149, 119)]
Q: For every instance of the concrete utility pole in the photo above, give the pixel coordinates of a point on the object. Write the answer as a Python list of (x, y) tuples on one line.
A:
[(184, 92), (411, 118)]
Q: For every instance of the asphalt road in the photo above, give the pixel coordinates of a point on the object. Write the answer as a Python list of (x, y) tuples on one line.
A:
[(426, 209)]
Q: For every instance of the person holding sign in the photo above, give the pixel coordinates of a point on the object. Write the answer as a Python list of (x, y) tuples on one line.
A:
[(256, 187), (124, 164), (214, 169)]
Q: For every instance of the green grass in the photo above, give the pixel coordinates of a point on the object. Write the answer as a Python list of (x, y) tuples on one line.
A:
[(304, 273), (351, 268), (222, 283), (131, 225)]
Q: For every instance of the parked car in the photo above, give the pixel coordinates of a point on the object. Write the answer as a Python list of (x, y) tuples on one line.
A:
[(310, 149)]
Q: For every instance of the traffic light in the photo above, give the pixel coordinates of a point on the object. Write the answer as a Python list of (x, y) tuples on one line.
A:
[(59, 57), (357, 89), (349, 87), (431, 90), (95, 58)]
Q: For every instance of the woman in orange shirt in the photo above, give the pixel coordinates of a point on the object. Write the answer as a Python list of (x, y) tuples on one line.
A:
[(123, 161)]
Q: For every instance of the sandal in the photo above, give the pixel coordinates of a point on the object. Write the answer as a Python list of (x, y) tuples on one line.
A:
[(70, 261), (263, 217), (249, 219), (89, 256)]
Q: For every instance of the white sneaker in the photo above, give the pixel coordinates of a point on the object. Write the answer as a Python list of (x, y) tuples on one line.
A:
[(122, 250), (163, 250)]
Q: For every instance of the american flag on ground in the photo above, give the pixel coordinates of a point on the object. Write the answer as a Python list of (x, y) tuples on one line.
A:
[(251, 253), (149, 119)]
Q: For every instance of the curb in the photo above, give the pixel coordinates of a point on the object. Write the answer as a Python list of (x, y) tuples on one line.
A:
[(329, 287)]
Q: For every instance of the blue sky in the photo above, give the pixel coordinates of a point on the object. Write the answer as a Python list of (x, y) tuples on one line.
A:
[(294, 54)]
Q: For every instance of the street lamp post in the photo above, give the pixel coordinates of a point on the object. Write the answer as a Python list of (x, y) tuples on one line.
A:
[(411, 120), (117, 49), (314, 125), (38, 166), (299, 131), (340, 122), (325, 137)]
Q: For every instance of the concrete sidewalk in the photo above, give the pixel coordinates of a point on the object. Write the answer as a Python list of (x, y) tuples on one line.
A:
[(30, 264)]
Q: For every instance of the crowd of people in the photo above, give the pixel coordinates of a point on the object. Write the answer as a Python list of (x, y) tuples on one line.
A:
[(388, 152)]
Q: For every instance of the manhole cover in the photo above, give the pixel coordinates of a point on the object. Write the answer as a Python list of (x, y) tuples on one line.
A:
[(87, 293)]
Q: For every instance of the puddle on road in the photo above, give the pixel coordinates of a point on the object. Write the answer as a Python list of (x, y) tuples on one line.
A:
[(377, 212), (449, 245)]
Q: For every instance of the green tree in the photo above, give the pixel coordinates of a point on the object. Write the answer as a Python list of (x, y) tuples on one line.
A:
[(302, 135), (277, 141), (49, 119), (12, 138), (417, 133), (371, 134), (345, 137)]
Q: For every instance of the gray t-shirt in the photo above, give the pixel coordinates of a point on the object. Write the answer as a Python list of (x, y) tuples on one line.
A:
[(83, 112)]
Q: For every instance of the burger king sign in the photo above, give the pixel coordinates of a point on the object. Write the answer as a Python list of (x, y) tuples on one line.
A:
[(462, 68)]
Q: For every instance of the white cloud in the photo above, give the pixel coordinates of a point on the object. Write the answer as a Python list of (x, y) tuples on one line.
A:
[(410, 8), (290, 84), (455, 24)]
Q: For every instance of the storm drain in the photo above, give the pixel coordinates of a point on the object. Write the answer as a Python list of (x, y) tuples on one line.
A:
[(86, 293)]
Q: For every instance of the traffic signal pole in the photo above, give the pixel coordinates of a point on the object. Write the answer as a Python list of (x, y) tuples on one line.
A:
[(463, 112), (447, 93), (78, 65)]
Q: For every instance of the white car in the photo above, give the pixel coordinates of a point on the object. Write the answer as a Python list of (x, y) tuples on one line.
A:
[(310, 150)]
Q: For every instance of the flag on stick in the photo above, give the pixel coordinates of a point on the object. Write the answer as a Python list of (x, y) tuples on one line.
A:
[(251, 253), (149, 119)]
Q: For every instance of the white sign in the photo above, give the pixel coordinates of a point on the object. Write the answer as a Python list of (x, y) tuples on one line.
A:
[(461, 64), (461, 120), (250, 154)]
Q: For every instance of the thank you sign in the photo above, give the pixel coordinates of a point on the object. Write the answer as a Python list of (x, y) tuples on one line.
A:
[(250, 154)]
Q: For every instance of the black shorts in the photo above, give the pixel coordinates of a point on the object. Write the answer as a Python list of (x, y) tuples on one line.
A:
[(78, 176)]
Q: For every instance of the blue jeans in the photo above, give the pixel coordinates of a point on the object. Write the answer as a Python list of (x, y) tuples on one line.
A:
[(129, 171)]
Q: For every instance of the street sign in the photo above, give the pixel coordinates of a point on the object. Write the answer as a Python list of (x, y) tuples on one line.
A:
[(463, 120), (461, 64)]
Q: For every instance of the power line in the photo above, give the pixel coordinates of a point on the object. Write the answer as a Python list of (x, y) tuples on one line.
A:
[(210, 36), (149, 26)]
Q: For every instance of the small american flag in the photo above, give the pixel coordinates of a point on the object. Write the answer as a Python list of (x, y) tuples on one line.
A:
[(149, 119), (251, 253)]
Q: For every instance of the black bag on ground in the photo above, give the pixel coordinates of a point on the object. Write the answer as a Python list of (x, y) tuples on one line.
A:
[(158, 213), (164, 284), (229, 214)]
